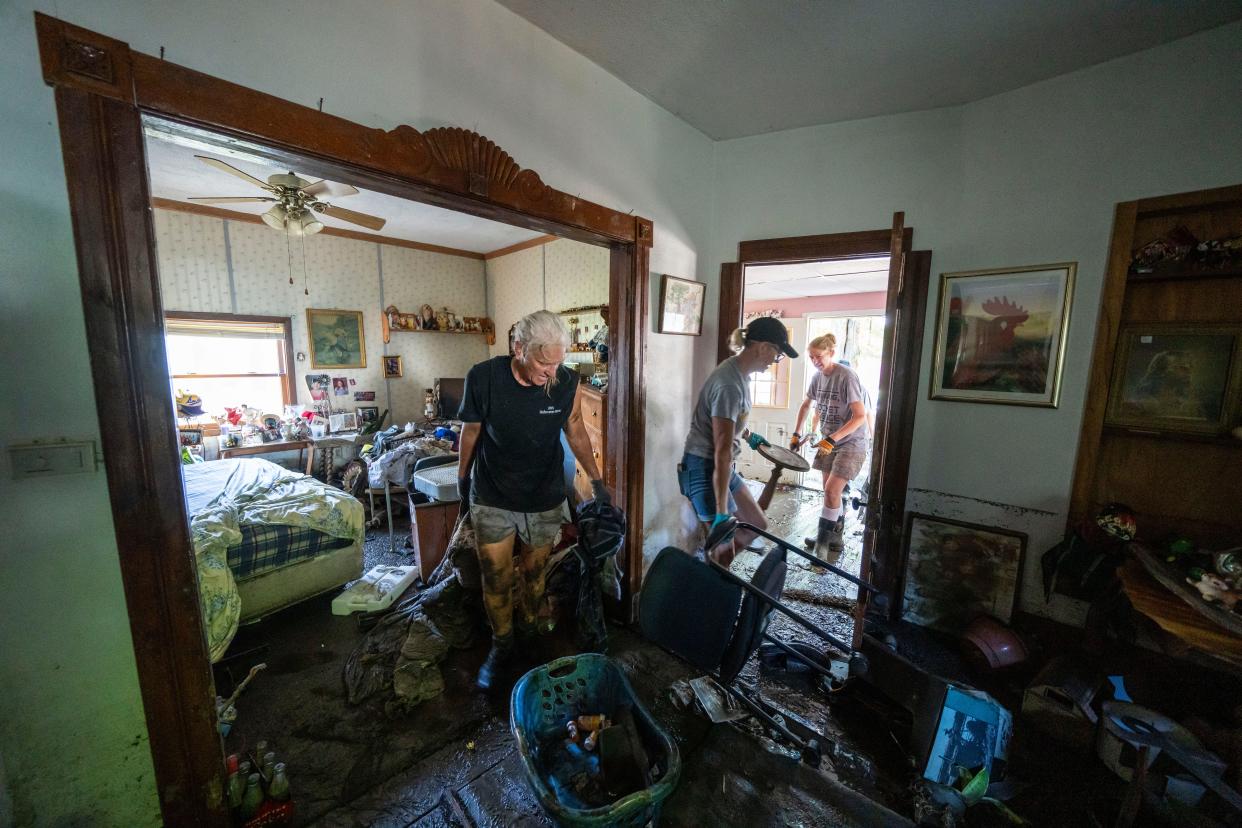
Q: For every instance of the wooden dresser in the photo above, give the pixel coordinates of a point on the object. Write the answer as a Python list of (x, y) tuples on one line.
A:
[(594, 407)]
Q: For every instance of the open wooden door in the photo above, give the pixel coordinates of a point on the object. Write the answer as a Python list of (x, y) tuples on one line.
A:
[(905, 308)]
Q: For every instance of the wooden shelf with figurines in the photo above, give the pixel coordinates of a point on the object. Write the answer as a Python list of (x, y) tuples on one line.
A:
[(429, 320)]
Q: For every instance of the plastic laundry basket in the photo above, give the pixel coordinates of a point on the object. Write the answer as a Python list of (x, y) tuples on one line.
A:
[(549, 696)]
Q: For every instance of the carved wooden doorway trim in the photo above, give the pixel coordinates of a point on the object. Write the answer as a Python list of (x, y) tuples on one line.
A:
[(103, 91)]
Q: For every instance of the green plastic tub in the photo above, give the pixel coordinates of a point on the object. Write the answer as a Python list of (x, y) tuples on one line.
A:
[(549, 696)]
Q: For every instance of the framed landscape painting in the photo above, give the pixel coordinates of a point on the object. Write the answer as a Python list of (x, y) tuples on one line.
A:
[(1000, 334), (336, 339), (681, 306), (956, 571), (1180, 378)]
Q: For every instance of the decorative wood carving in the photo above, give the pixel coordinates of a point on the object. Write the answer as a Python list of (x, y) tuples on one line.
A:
[(78, 57)]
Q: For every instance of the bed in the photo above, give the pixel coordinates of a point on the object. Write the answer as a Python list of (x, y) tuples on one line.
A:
[(265, 537)]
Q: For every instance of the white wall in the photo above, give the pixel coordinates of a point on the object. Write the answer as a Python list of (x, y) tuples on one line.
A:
[(72, 732), (555, 276), (1027, 177)]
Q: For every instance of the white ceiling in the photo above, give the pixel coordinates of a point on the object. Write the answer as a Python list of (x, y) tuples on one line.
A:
[(176, 174), (742, 67), (795, 281)]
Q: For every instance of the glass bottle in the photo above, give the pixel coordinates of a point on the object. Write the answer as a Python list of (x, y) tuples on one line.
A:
[(278, 788), (236, 789), (252, 799), (269, 766)]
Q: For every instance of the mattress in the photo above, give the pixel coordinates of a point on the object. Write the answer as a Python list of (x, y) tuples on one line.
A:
[(264, 548)]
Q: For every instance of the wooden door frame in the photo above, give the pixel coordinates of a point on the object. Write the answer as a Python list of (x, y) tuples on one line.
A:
[(103, 90), (906, 306)]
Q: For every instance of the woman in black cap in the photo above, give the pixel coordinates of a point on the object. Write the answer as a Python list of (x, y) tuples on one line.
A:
[(707, 474)]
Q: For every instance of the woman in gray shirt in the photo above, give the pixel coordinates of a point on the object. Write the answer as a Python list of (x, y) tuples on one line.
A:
[(706, 473)]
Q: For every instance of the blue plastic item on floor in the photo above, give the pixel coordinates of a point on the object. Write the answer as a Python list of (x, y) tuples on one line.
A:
[(548, 697)]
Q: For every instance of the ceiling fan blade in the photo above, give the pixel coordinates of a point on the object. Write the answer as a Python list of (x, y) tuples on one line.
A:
[(231, 170), (230, 199), (330, 188), (370, 222)]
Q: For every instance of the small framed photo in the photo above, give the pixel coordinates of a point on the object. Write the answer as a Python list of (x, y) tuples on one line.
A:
[(1176, 378), (681, 306), (336, 338), (392, 366), (367, 414), (956, 571), (1000, 334), (190, 436)]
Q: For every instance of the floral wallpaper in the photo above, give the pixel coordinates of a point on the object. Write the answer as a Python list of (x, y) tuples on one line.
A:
[(572, 273), (344, 274)]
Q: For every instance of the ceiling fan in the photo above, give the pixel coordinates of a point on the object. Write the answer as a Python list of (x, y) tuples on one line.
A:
[(295, 200)]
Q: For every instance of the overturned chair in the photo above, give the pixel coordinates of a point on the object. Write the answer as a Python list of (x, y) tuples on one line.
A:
[(703, 613)]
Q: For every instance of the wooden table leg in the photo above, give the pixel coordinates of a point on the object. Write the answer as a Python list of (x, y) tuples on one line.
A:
[(769, 489), (310, 460)]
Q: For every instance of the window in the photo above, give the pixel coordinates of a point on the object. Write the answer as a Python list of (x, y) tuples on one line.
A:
[(770, 389), (230, 360)]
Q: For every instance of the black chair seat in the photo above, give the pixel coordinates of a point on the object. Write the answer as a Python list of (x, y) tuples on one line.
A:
[(688, 608), (753, 619)]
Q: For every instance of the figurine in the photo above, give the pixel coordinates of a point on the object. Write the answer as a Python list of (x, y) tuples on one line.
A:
[(1215, 588), (427, 319), (429, 404)]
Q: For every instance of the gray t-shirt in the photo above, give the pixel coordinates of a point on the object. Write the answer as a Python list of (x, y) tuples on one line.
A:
[(726, 394), (833, 394)]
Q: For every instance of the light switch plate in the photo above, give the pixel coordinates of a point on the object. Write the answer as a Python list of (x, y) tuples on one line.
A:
[(46, 459)]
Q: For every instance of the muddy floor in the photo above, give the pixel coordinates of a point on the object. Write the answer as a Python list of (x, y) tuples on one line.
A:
[(452, 761)]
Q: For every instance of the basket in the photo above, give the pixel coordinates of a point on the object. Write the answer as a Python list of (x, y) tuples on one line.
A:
[(549, 696)]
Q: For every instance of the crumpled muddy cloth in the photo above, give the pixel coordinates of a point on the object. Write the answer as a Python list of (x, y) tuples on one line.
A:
[(402, 653)]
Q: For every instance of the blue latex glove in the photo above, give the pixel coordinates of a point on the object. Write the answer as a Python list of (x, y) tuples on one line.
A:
[(719, 519), (599, 494), (755, 440)]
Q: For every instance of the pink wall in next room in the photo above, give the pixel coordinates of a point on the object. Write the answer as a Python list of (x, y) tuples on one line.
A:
[(820, 304)]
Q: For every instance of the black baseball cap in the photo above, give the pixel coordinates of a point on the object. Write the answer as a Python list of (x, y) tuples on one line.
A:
[(770, 329)]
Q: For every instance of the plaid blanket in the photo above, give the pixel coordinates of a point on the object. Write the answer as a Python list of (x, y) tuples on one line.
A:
[(264, 548)]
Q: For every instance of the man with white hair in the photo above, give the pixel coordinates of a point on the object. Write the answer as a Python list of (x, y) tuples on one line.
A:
[(511, 472)]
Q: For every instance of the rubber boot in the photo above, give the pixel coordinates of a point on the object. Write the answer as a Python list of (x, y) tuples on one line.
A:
[(821, 536), (831, 543), (497, 662)]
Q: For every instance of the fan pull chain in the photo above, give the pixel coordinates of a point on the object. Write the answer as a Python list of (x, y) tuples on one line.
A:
[(288, 253), (305, 289)]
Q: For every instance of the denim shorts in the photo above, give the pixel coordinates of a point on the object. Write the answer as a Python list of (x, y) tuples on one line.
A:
[(694, 478)]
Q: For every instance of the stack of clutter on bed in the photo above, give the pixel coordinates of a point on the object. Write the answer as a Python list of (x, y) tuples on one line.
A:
[(264, 538)]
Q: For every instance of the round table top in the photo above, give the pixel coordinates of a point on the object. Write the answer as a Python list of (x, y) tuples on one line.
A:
[(785, 458)]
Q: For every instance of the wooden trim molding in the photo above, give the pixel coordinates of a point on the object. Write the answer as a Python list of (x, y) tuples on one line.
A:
[(103, 91), (102, 142), (440, 161), (520, 246), (175, 206)]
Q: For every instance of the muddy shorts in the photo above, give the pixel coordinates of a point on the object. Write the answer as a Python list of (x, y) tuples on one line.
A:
[(845, 462), (535, 529)]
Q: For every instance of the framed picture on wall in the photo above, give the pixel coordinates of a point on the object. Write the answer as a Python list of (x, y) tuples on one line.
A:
[(1000, 334), (956, 571), (336, 338), (681, 306), (367, 414), (1177, 378), (392, 366)]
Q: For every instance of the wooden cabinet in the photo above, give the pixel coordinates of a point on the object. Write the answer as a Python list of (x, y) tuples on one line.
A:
[(431, 527), (593, 406), (1177, 483)]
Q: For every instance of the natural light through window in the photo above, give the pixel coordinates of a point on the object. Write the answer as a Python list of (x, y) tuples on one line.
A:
[(229, 363)]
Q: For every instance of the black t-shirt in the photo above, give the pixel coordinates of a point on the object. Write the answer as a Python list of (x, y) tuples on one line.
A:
[(518, 460)]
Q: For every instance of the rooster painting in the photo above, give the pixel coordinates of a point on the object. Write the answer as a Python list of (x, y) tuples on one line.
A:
[(985, 352)]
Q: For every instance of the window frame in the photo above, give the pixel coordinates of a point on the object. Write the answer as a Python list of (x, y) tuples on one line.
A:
[(782, 378), (288, 387)]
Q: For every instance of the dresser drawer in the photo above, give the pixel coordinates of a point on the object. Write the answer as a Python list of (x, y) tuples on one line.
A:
[(594, 408)]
